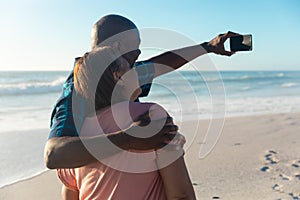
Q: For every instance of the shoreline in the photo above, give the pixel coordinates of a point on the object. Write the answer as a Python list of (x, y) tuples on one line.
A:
[(45, 132), (234, 167), (22, 154), (25, 179), (43, 186), (226, 117)]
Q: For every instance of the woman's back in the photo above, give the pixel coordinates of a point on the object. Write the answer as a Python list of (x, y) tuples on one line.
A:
[(126, 175)]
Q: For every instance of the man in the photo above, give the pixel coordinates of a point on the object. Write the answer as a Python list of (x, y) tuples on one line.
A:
[(64, 149)]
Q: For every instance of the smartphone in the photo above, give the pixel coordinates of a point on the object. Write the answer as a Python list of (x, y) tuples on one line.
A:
[(241, 43)]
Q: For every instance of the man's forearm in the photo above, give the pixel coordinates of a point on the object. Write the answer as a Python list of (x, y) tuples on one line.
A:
[(72, 152), (174, 59)]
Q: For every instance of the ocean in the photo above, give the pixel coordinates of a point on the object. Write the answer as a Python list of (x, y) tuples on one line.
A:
[(27, 98)]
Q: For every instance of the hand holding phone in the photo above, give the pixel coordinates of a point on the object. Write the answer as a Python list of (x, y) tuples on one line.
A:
[(241, 43), (237, 43)]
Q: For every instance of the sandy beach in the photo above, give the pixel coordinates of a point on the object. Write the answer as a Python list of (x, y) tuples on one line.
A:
[(256, 157)]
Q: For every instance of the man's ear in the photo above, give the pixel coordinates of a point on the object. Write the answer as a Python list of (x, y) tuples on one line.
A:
[(117, 77), (116, 46)]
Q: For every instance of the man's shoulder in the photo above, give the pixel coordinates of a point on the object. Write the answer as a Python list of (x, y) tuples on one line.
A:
[(69, 83), (143, 63), (67, 89)]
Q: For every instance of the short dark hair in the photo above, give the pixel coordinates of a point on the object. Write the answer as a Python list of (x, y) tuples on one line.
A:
[(109, 26)]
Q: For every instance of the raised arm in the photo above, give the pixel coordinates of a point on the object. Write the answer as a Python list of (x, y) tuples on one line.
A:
[(176, 58)]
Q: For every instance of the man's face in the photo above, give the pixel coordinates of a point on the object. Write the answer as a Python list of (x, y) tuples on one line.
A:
[(129, 81), (130, 43), (131, 57)]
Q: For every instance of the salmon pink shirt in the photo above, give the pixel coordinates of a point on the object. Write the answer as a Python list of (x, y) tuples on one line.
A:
[(128, 175)]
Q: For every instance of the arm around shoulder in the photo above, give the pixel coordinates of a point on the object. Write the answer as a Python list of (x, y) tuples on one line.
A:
[(66, 152), (72, 152)]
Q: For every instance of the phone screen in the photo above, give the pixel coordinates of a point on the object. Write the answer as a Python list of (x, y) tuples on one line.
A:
[(241, 43)]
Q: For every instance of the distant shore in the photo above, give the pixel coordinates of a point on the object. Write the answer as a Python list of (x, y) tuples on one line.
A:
[(256, 157)]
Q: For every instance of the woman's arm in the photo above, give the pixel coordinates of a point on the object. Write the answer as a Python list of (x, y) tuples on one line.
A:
[(171, 164), (68, 194), (175, 176)]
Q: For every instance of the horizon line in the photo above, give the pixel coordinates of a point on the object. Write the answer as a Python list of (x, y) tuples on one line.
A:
[(65, 70)]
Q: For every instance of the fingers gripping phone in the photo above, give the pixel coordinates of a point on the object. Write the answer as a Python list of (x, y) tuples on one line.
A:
[(241, 43)]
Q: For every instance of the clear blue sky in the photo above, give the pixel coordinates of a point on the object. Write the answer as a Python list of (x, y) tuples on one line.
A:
[(43, 35)]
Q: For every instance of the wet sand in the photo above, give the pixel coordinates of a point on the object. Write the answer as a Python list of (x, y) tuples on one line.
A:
[(256, 157)]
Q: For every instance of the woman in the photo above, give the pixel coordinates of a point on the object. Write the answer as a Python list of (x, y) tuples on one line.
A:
[(156, 174)]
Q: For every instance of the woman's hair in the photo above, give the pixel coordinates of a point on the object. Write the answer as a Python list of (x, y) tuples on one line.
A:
[(94, 77)]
